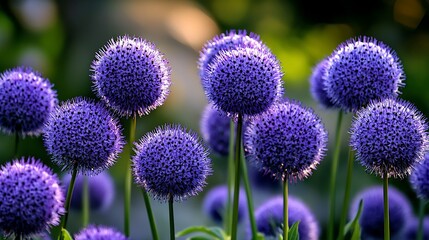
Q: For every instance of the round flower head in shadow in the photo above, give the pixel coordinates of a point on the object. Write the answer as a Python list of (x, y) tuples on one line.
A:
[(83, 133), (216, 200), (26, 100), (93, 232), (372, 216), (317, 87), (227, 41), (243, 81), (419, 178), (269, 218), (215, 129), (131, 75), (171, 162), (389, 137), (287, 141), (361, 70), (31, 199), (413, 227), (100, 188)]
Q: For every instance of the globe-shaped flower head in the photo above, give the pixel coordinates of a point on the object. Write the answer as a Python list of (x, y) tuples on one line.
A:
[(244, 80), (227, 41), (412, 227), (101, 191), (372, 218), (93, 232), (419, 178), (269, 218), (171, 163), (31, 199), (361, 70), (26, 100), (389, 137), (317, 86), (215, 128), (81, 133), (216, 200), (131, 75), (287, 141)]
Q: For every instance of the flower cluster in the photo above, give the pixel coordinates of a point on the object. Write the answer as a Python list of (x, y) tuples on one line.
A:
[(131, 75), (215, 203), (317, 85), (93, 232), (26, 100), (170, 162), (215, 128), (83, 134), (419, 178), (31, 199), (287, 141)]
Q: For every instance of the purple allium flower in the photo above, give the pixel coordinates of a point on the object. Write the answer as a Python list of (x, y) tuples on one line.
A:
[(287, 141), (101, 191), (171, 162), (26, 100), (361, 70), (413, 227), (215, 129), (419, 178), (93, 232), (227, 41), (263, 181), (372, 216), (216, 200), (84, 133), (317, 86), (131, 75), (243, 81), (269, 218), (389, 137), (31, 199)]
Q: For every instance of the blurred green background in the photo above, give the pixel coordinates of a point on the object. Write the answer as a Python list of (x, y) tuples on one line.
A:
[(60, 39)]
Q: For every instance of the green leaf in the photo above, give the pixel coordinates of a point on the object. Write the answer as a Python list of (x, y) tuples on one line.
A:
[(293, 232), (214, 232), (353, 225), (66, 234)]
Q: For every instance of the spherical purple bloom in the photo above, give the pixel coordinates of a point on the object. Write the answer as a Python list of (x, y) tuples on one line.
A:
[(101, 191), (131, 75), (215, 129), (372, 215), (317, 86), (171, 162), (419, 178), (361, 70), (412, 228), (227, 41), (269, 218), (31, 199), (216, 200), (243, 81), (26, 100), (93, 232), (83, 133), (287, 141), (389, 137)]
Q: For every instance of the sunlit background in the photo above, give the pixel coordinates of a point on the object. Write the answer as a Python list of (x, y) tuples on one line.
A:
[(60, 38)]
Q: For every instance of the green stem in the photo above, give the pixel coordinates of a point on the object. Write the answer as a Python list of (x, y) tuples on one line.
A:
[(171, 211), (150, 215), (334, 176), (249, 198), (230, 180), (68, 200), (386, 206), (128, 179), (85, 202), (15, 150), (237, 177), (285, 209), (422, 206), (346, 199)]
